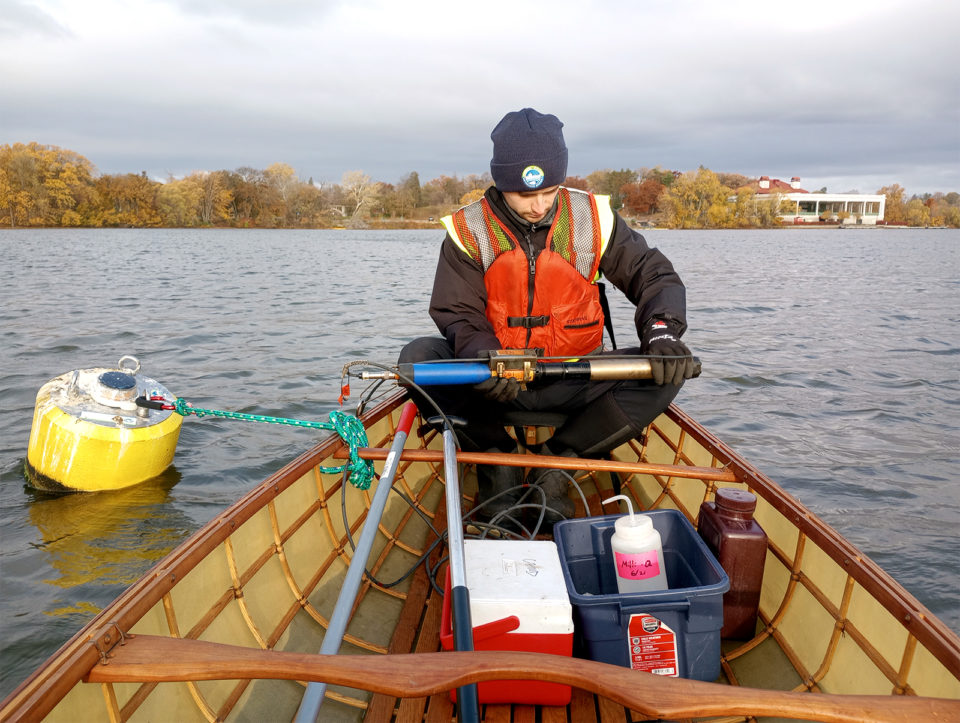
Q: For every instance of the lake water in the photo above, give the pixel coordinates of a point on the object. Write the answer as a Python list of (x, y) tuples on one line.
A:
[(831, 361)]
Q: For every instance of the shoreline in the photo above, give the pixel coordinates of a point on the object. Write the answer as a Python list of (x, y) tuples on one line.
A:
[(436, 225), (425, 225)]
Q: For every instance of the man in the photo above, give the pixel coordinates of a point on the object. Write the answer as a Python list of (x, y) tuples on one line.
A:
[(518, 270)]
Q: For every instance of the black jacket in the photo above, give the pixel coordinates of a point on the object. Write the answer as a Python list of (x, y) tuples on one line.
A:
[(459, 298)]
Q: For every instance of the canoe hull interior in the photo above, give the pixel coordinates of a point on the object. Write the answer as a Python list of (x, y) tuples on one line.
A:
[(266, 574)]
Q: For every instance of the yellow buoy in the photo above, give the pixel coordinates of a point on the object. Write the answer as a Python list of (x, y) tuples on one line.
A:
[(89, 433)]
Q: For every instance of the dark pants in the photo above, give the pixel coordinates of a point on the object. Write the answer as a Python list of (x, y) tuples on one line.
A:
[(601, 415)]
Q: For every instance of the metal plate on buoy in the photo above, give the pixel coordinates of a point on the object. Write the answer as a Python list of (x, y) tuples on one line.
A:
[(82, 394)]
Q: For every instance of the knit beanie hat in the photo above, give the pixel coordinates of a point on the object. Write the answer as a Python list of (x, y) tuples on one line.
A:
[(528, 151)]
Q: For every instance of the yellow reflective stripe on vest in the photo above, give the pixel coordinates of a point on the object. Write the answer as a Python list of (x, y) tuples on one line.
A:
[(606, 221), (447, 221), (604, 213)]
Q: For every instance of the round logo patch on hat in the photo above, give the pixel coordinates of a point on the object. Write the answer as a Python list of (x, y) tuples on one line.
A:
[(532, 176)]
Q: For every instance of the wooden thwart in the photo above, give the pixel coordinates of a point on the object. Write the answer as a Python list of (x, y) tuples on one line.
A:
[(717, 474), (148, 658)]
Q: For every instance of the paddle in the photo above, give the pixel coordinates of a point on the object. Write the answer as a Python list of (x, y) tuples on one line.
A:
[(154, 659), (468, 701), (313, 698)]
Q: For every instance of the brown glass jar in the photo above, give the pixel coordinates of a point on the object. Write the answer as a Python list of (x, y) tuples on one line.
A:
[(740, 545)]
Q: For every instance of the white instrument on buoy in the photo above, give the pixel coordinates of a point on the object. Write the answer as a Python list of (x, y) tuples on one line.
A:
[(90, 433)]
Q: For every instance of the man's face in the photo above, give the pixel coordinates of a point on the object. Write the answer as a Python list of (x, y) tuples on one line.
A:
[(532, 206)]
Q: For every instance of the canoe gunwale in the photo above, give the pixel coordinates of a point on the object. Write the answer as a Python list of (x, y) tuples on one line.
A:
[(919, 622)]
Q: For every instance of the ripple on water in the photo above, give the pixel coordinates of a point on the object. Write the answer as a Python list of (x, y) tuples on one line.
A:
[(800, 375)]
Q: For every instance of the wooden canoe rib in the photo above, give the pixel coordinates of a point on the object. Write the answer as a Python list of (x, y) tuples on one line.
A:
[(258, 575)]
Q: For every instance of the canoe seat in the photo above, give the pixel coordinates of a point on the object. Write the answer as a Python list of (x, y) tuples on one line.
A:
[(524, 418), (528, 425), (524, 423)]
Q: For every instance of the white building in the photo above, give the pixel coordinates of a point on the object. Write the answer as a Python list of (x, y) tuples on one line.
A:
[(800, 206)]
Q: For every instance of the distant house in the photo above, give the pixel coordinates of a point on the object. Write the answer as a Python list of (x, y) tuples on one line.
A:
[(799, 206)]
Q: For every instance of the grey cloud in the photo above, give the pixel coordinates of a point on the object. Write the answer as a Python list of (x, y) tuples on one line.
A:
[(260, 83), (19, 18), (276, 12)]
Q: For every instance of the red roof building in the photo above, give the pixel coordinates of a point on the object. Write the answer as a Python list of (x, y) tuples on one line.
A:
[(765, 185), (799, 206)]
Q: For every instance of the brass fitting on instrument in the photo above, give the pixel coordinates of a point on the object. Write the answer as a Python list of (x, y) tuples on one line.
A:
[(519, 364)]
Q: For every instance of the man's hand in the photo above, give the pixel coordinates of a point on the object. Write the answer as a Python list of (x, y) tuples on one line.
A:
[(499, 389), (671, 361)]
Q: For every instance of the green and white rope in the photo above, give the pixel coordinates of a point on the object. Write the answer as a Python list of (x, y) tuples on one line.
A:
[(349, 428)]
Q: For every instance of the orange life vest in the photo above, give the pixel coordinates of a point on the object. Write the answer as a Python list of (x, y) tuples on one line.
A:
[(564, 316)]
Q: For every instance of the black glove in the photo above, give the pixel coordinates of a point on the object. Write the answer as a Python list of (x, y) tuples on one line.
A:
[(499, 389), (671, 361)]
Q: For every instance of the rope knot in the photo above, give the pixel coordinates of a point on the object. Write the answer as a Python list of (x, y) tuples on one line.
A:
[(352, 432)]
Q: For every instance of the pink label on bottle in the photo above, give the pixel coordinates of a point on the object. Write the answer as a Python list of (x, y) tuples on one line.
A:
[(637, 565)]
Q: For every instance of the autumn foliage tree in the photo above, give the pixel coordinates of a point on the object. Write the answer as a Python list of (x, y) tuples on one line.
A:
[(611, 183), (894, 211), (641, 199), (696, 200), (700, 200), (406, 194), (944, 209), (50, 186), (43, 185), (127, 199), (576, 182), (471, 196), (656, 173)]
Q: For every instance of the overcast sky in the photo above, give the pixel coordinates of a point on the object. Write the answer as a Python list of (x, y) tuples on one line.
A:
[(847, 94)]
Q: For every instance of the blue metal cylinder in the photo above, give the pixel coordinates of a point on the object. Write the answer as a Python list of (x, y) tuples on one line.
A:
[(450, 373)]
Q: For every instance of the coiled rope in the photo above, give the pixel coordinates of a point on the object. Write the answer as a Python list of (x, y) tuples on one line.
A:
[(349, 428)]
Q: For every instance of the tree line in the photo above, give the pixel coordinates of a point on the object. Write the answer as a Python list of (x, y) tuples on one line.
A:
[(43, 186)]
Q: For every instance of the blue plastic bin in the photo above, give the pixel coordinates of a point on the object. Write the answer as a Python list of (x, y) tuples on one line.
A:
[(669, 632)]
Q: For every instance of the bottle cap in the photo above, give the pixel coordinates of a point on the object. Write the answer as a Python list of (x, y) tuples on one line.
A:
[(634, 526), (736, 500), (631, 525)]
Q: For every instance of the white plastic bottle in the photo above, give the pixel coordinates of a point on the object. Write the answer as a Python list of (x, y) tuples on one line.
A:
[(637, 552)]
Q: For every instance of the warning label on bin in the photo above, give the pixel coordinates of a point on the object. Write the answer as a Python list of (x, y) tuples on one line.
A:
[(652, 646)]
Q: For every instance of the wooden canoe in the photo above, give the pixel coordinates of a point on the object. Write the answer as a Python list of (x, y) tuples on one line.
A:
[(228, 625)]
